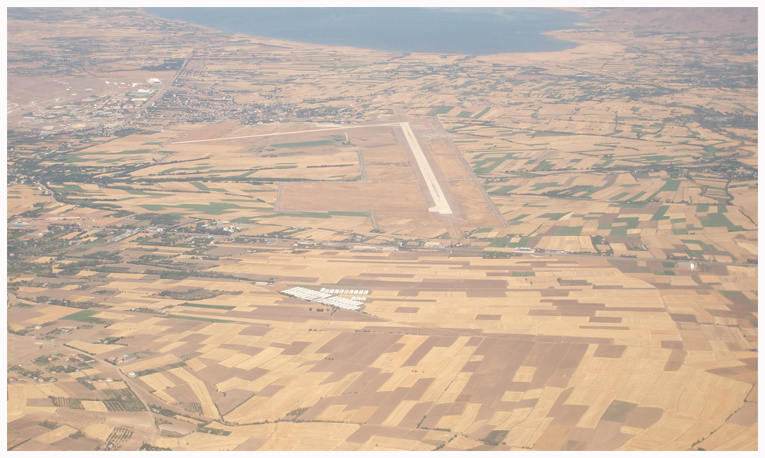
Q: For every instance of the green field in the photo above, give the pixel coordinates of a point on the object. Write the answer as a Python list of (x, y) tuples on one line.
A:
[(84, 316), (304, 144), (702, 245), (205, 306), (719, 220), (347, 213), (620, 196), (495, 437), (486, 165), (670, 185), (503, 190), (659, 215), (549, 133), (554, 216), (663, 272), (200, 186), (440, 110), (485, 110), (524, 274), (569, 231), (544, 166), (199, 318)]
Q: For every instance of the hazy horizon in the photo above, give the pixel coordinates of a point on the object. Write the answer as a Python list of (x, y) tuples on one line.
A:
[(473, 31)]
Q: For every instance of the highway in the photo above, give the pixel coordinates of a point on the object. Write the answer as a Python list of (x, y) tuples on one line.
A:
[(271, 242), (162, 90)]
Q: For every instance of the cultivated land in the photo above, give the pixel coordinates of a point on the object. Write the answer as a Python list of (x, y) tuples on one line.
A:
[(559, 249)]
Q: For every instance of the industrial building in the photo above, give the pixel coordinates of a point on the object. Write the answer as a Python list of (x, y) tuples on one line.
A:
[(326, 297)]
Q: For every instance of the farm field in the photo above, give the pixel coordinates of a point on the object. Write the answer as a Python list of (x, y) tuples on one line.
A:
[(526, 251), (506, 354)]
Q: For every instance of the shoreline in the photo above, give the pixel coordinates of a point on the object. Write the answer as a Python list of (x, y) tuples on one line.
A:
[(564, 44)]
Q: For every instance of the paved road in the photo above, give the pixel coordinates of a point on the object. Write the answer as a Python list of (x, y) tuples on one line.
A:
[(475, 251), (363, 167), (162, 90), (278, 198)]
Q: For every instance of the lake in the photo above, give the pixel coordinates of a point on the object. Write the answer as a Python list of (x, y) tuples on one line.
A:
[(472, 31)]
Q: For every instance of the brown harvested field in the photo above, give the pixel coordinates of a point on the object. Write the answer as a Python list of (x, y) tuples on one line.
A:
[(447, 159), (217, 130), (352, 197), (22, 198), (473, 205), (477, 368)]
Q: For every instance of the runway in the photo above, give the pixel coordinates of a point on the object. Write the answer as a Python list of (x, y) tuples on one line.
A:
[(281, 133), (441, 205)]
